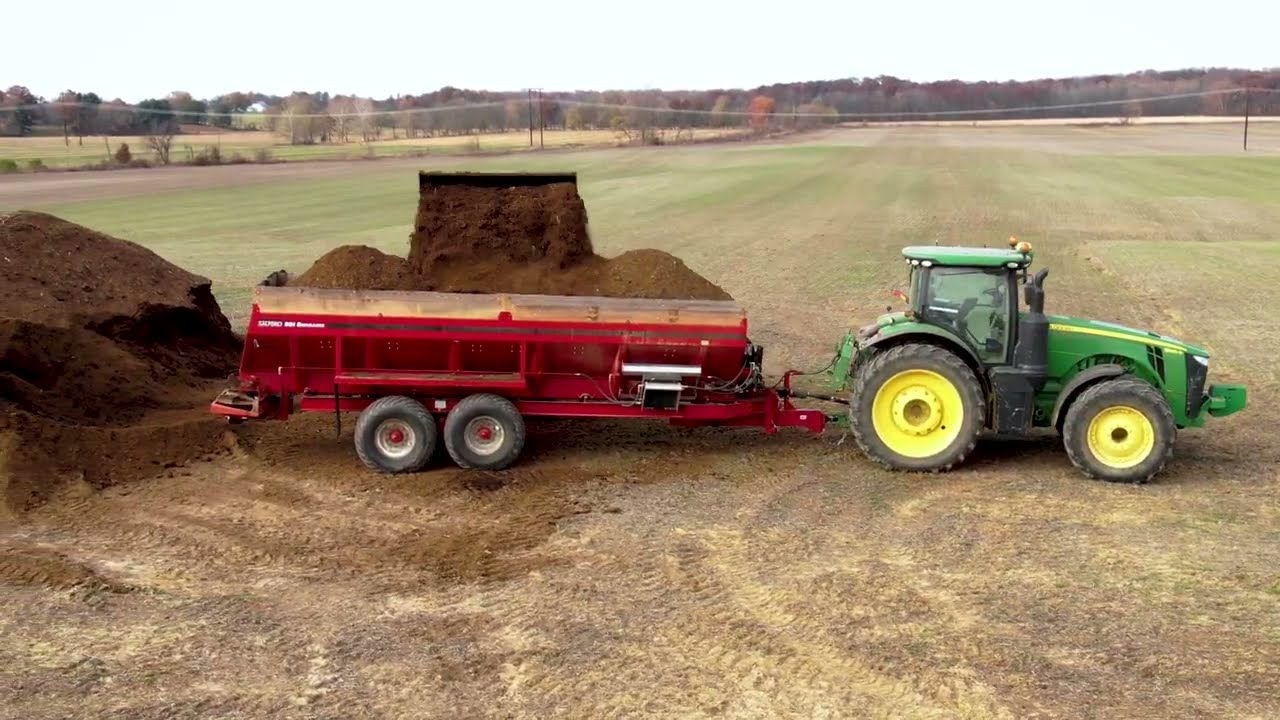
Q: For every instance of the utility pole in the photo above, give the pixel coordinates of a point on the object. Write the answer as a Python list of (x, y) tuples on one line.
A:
[(530, 117), (541, 123), (1246, 115)]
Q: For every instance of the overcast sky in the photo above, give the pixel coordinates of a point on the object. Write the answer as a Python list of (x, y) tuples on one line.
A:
[(134, 50)]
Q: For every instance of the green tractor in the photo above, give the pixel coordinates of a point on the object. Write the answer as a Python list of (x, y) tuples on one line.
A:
[(964, 360)]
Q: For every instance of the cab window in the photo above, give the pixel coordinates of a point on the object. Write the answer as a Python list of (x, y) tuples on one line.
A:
[(973, 303)]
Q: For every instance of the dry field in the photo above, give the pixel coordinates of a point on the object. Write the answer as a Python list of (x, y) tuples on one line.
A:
[(625, 570), (54, 152)]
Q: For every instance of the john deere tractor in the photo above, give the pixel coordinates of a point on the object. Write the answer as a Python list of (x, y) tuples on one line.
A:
[(964, 360)]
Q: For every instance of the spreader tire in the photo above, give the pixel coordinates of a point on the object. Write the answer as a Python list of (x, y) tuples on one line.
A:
[(395, 435), (916, 407), (1120, 430), (484, 432)]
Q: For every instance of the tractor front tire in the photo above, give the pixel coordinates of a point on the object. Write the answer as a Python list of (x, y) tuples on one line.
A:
[(1120, 430), (395, 434), (484, 432), (916, 407)]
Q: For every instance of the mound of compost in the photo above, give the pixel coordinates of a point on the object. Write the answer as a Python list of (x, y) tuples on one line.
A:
[(358, 267), (654, 274), (462, 225), (60, 273), (533, 240), (106, 350)]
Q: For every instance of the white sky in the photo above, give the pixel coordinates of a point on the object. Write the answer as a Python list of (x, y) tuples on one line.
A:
[(137, 49)]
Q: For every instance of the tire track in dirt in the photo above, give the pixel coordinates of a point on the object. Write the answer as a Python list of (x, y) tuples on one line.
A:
[(816, 560), (697, 615), (772, 578), (43, 567)]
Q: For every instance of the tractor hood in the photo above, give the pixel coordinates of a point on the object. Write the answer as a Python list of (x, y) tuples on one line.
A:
[(1061, 323)]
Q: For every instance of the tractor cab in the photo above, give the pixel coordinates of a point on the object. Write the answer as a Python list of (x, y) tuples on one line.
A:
[(971, 293)]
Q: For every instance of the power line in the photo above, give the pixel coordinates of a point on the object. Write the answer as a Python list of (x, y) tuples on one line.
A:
[(916, 113)]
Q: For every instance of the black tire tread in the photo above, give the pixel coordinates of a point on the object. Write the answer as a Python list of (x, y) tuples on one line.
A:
[(1074, 428), (497, 406), (404, 405), (863, 391)]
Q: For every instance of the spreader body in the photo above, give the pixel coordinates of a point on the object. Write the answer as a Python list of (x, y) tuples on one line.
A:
[(684, 361)]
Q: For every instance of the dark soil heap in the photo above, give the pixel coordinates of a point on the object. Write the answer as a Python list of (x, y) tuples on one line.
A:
[(654, 274), (358, 267), (524, 239), (104, 345), (464, 225)]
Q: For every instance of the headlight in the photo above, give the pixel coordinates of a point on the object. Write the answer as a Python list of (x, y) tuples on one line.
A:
[(1202, 359)]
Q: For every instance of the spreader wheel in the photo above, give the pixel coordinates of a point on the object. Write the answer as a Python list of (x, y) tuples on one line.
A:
[(916, 407), (484, 432), (395, 434), (1120, 430)]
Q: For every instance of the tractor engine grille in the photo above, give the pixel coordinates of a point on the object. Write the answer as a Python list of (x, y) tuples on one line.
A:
[(1197, 375)]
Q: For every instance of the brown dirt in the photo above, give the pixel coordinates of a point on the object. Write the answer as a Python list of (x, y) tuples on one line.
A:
[(42, 567), (635, 274), (626, 569), (60, 273), (655, 274), (357, 267), (517, 240), (104, 346), (461, 225)]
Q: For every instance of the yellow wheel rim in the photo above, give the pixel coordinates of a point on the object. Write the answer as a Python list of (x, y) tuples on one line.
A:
[(1121, 437), (917, 413)]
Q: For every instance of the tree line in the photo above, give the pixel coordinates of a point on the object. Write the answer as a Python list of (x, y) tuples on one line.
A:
[(311, 117)]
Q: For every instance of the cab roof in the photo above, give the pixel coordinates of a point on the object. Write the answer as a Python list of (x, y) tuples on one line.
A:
[(966, 256)]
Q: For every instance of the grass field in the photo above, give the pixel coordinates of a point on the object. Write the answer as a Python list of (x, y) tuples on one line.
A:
[(621, 570), (54, 152)]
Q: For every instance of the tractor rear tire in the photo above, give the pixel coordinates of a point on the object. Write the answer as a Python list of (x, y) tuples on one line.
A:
[(1120, 430), (395, 434), (484, 432), (916, 407)]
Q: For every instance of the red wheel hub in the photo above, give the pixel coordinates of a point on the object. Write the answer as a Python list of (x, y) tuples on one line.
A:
[(396, 436), (484, 433)]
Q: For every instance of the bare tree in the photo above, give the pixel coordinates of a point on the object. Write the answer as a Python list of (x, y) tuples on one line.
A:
[(68, 113), (159, 138), (301, 119), (157, 126), (406, 105), (341, 110), (367, 120)]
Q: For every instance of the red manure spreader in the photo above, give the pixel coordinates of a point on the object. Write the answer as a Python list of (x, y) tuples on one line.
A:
[(467, 369)]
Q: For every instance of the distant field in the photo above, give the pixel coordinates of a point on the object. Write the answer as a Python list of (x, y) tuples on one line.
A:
[(627, 571), (54, 152)]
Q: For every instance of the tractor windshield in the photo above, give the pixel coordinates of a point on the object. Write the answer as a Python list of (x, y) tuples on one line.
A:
[(973, 303)]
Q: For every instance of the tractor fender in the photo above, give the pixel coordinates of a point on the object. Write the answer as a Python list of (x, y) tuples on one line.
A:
[(889, 338), (1078, 383), (929, 334)]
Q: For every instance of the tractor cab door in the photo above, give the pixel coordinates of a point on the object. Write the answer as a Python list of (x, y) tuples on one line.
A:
[(976, 304)]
